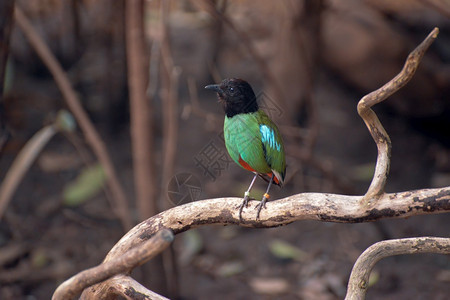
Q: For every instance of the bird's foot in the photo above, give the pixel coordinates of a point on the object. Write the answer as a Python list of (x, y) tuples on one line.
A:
[(244, 204), (262, 204)]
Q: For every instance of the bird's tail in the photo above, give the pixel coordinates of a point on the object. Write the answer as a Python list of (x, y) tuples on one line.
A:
[(277, 179)]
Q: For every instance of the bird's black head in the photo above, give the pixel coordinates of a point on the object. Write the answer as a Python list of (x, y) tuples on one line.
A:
[(236, 96)]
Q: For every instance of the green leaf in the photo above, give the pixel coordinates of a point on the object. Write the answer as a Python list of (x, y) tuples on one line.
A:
[(374, 278), (88, 184), (231, 268), (9, 76), (39, 258), (284, 250)]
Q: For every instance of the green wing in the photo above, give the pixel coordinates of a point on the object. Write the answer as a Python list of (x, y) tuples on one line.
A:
[(272, 144), (243, 141), (255, 139)]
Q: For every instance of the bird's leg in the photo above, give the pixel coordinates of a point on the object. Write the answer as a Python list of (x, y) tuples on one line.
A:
[(246, 197), (265, 198)]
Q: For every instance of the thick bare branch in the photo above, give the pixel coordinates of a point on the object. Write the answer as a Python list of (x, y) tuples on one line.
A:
[(119, 265), (377, 131), (123, 287), (359, 278), (6, 24), (306, 206), (92, 136)]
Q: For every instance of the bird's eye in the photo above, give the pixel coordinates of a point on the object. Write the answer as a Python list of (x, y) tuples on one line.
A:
[(231, 89)]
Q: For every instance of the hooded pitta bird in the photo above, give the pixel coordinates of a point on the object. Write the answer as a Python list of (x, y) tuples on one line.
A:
[(251, 138)]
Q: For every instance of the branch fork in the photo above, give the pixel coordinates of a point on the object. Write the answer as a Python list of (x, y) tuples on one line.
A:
[(379, 135), (374, 205)]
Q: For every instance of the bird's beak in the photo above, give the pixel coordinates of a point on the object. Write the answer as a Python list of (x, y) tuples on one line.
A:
[(214, 87)]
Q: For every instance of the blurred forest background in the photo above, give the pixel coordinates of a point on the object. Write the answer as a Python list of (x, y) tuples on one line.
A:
[(308, 61)]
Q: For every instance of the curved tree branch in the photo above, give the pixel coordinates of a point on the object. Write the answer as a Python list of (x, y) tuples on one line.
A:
[(377, 131), (305, 206), (28, 155), (125, 287), (359, 278), (122, 264)]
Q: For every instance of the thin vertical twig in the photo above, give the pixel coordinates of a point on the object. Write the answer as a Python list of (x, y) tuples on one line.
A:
[(441, 7), (145, 179), (310, 46), (217, 34), (247, 44), (213, 120), (169, 98), (140, 110), (120, 205), (6, 23)]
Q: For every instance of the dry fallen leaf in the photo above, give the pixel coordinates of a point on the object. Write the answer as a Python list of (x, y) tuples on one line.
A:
[(269, 286)]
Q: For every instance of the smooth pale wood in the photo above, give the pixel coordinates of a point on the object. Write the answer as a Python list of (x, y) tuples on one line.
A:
[(119, 265), (372, 122), (305, 206), (125, 287), (359, 278)]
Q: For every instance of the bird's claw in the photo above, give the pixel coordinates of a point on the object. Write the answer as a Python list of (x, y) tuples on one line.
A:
[(244, 204), (261, 205)]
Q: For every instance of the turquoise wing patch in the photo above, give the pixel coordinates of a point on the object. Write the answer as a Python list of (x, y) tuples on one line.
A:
[(268, 137), (272, 145)]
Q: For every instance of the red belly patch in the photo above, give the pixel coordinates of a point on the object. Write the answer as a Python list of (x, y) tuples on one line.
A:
[(245, 165)]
